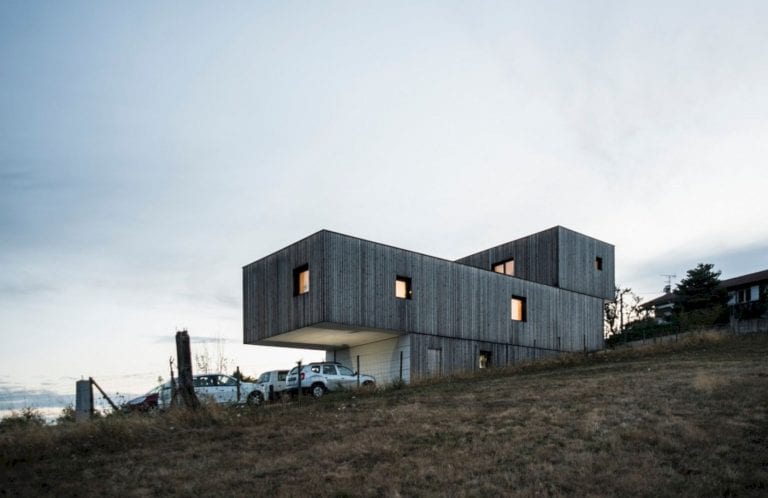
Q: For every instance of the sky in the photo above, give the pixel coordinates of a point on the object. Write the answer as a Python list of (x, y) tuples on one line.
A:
[(150, 150)]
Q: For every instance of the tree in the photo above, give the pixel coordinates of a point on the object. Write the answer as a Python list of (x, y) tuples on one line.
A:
[(624, 308), (701, 301), (242, 378), (700, 289), (207, 363)]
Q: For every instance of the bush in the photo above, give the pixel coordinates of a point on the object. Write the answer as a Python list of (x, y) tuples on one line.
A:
[(27, 417), (67, 415)]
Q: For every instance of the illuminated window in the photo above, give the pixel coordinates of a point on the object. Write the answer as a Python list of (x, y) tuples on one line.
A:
[(403, 287), (518, 308), (599, 263), (505, 267), (301, 280)]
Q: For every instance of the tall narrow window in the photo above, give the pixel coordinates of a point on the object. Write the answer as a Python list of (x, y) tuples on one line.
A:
[(403, 287), (506, 267), (485, 359), (518, 308), (599, 263), (301, 280)]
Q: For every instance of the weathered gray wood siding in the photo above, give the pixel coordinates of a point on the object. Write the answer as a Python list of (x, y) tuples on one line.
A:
[(557, 256), (576, 264), (535, 257), (460, 355), (450, 300), (269, 306)]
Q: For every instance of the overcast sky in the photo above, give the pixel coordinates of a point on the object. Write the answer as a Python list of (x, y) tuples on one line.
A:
[(150, 150)]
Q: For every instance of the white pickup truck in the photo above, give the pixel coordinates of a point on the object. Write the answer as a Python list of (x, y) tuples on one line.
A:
[(270, 386)]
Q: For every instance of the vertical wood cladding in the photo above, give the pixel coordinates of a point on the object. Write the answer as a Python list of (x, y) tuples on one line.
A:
[(559, 257), (449, 299), (269, 304), (460, 309), (576, 263), (535, 257)]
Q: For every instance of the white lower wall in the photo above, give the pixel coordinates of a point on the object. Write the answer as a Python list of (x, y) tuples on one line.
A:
[(380, 359)]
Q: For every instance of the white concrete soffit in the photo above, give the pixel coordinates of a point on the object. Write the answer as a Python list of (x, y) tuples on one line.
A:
[(326, 338)]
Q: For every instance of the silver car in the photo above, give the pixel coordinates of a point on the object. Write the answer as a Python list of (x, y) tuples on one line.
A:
[(319, 378)]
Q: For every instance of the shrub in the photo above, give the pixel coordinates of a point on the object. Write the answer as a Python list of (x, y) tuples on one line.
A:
[(27, 417), (67, 415)]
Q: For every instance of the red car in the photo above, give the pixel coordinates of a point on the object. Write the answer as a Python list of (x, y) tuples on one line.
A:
[(143, 403)]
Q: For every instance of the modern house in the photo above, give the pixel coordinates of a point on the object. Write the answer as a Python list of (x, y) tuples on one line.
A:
[(404, 315)]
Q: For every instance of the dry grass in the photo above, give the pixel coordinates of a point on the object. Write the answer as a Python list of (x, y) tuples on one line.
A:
[(683, 419)]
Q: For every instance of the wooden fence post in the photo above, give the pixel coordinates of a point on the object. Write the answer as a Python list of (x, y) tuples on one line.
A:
[(184, 356)]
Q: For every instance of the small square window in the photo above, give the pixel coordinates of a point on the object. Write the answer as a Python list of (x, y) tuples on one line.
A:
[(518, 309), (301, 280), (403, 287), (505, 267), (599, 263)]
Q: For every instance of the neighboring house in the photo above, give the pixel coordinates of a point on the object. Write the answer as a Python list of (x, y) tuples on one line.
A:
[(747, 298), (399, 314), (662, 307), (747, 294)]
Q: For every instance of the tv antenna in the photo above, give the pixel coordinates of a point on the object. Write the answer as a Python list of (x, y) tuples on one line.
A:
[(668, 277)]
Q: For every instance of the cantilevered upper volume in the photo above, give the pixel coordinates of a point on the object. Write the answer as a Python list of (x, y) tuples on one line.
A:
[(406, 314)]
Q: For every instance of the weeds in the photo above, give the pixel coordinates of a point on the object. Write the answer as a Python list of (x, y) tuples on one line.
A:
[(26, 418), (681, 419)]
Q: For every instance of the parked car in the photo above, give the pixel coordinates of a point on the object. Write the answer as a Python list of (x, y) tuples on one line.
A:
[(271, 385), (216, 388), (145, 402), (321, 377)]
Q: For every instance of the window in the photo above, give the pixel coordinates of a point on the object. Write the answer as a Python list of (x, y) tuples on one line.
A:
[(301, 280), (329, 370), (485, 359), (598, 263), (403, 287), (226, 380), (518, 309), (506, 267), (345, 371)]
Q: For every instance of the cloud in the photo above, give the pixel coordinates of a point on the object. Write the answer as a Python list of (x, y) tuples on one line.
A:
[(17, 397)]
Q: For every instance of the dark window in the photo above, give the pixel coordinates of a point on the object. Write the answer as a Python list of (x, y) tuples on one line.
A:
[(599, 263), (329, 370), (403, 287), (485, 359), (518, 309), (301, 280)]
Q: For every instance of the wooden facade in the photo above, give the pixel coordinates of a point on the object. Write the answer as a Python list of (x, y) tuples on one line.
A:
[(454, 311)]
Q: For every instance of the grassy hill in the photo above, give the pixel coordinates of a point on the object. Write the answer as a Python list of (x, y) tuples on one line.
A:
[(689, 419)]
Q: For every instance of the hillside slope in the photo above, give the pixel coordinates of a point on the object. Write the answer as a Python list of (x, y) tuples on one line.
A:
[(686, 420)]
